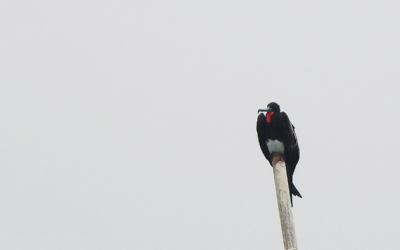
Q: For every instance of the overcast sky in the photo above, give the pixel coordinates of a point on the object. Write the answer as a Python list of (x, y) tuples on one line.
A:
[(131, 124)]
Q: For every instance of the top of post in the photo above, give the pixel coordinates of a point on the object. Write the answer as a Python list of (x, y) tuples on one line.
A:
[(276, 157)]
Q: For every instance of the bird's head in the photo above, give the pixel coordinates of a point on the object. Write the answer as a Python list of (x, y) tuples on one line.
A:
[(273, 106)]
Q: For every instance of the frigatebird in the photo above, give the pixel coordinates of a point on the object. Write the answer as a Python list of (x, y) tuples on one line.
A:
[(276, 134)]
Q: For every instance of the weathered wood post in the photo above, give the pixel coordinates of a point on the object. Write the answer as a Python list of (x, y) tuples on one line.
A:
[(284, 205)]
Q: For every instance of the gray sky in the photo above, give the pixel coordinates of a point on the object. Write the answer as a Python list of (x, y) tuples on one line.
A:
[(131, 125)]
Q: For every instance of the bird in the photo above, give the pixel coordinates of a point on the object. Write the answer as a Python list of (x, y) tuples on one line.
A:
[(276, 135)]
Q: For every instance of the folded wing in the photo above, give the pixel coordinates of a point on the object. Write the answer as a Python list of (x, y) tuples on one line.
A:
[(262, 136)]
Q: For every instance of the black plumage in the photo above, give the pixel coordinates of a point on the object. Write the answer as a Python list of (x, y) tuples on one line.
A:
[(276, 134)]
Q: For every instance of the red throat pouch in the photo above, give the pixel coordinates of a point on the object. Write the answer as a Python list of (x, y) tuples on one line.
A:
[(269, 116)]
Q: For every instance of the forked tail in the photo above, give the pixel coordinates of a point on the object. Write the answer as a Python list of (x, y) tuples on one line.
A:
[(293, 191)]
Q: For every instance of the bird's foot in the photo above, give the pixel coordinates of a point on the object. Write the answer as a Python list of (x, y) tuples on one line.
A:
[(277, 157)]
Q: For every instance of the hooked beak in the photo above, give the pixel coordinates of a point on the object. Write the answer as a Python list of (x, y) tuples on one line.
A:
[(264, 110)]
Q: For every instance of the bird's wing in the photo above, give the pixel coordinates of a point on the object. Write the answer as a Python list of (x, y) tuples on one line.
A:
[(292, 151), (262, 135)]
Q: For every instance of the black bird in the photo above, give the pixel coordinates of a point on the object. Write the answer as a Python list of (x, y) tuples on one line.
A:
[(276, 135)]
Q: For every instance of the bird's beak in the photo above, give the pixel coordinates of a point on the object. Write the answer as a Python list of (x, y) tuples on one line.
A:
[(264, 110)]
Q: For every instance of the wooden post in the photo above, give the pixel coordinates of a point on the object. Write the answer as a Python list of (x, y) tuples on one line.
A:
[(284, 205)]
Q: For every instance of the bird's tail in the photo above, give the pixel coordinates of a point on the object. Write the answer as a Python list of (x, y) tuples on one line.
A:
[(293, 191)]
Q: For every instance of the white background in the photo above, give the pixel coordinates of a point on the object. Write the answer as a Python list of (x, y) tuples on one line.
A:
[(131, 124)]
